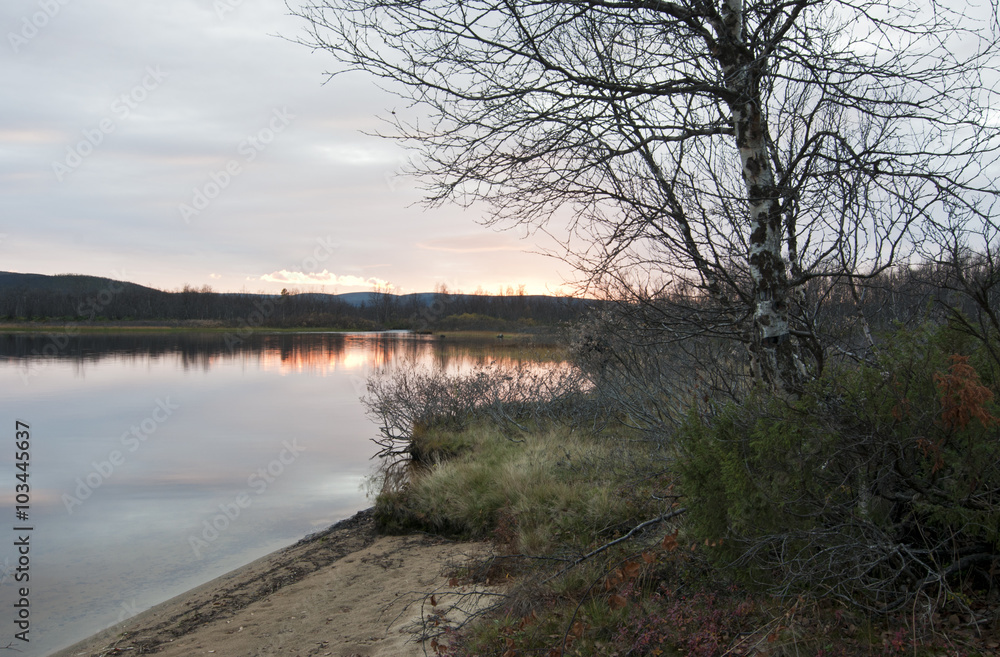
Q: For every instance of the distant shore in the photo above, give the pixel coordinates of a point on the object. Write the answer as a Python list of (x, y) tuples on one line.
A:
[(60, 326), (216, 326)]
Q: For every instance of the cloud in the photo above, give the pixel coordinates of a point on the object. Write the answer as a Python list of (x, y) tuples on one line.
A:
[(472, 244), (322, 278), (118, 208)]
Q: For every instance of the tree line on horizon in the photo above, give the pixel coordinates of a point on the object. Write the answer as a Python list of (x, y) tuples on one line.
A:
[(89, 299)]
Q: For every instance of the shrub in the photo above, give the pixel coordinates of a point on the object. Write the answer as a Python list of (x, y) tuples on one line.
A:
[(879, 483), (409, 402)]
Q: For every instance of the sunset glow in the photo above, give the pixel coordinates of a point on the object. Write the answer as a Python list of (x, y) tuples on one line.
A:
[(210, 152)]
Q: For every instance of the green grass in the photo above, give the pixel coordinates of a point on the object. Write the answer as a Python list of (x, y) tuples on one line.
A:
[(553, 494), (550, 489)]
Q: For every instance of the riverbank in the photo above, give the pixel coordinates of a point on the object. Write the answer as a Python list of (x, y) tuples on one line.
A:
[(346, 591)]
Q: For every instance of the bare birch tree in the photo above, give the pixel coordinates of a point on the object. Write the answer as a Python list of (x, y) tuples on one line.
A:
[(725, 154)]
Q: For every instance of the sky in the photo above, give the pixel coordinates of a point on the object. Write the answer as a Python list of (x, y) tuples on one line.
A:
[(186, 143)]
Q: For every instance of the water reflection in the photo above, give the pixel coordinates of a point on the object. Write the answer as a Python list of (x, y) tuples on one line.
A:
[(162, 460), (315, 352)]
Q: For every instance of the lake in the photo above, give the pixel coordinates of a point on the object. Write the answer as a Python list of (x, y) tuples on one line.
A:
[(160, 461)]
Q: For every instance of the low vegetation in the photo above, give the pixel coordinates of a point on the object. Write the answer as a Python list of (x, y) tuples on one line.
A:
[(861, 517), (878, 486), (543, 492)]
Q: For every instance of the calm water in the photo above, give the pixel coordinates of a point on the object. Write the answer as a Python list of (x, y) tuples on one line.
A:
[(159, 462)]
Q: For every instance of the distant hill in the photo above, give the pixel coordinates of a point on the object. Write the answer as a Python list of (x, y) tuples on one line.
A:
[(62, 283), (75, 297)]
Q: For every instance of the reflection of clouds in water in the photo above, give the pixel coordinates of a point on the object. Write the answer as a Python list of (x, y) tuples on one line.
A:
[(285, 352), (41, 498), (335, 487), (236, 406)]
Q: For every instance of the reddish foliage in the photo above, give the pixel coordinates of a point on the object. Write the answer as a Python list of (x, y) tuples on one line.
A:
[(963, 396), (700, 624)]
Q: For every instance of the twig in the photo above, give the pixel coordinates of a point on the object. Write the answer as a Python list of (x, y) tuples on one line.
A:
[(639, 527), (751, 636)]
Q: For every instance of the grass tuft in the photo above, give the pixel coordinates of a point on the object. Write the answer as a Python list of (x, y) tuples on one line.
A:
[(548, 486)]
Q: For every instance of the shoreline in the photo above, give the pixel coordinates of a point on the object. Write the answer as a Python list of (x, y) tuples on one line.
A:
[(345, 590), (166, 326), (56, 327)]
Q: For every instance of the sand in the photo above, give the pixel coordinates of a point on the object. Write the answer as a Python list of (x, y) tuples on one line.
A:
[(346, 592)]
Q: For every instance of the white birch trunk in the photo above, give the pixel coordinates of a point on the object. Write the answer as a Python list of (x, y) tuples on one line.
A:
[(772, 345)]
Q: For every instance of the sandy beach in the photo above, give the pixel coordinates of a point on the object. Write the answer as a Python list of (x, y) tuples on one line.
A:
[(345, 592)]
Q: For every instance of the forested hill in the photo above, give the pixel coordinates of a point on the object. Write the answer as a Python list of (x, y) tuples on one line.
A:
[(72, 297), (61, 284)]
